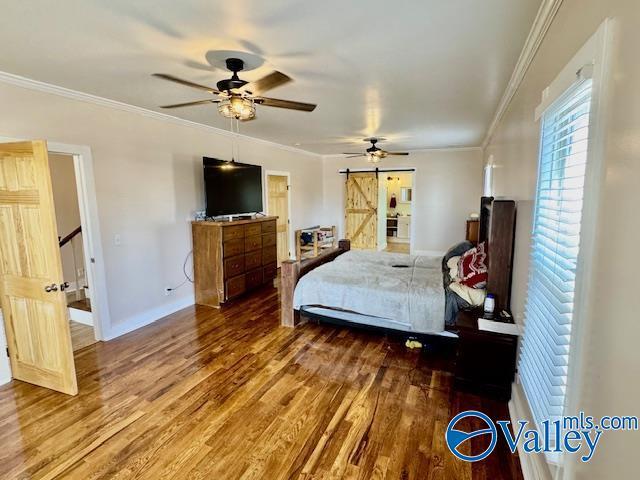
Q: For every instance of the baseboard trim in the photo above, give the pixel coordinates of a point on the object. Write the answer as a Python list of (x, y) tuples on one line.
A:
[(148, 317), (81, 316), (534, 466)]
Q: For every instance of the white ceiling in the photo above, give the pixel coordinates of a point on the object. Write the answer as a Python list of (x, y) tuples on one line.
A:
[(423, 73)]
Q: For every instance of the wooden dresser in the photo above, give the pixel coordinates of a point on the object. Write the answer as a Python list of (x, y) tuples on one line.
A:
[(231, 258)]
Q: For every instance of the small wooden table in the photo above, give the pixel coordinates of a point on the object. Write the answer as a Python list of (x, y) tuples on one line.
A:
[(485, 361)]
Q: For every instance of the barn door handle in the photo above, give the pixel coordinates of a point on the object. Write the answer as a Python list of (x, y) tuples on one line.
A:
[(51, 288), (64, 286)]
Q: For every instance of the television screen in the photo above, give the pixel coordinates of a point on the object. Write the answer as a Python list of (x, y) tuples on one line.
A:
[(232, 188)]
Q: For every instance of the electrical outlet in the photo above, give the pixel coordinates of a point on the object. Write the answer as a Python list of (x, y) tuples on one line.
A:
[(167, 291), (117, 239)]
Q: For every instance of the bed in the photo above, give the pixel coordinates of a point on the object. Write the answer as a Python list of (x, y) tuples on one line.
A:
[(390, 291)]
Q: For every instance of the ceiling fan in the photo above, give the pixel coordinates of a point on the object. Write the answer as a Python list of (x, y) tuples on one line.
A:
[(237, 98), (373, 153)]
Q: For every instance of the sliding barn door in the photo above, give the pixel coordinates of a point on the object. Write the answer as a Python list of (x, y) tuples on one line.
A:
[(33, 306), (361, 213)]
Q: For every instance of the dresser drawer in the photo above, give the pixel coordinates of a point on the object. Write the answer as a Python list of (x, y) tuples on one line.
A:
[(253, 278), (252, 260), (268, 240), (230, 233), (269, 255), (252, 243), (235, 286), (233, 248), (269, 227), (252, 229), (270, 271), (233, 266)]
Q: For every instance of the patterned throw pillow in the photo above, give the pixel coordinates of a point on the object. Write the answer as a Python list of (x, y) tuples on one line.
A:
[(472, 267)]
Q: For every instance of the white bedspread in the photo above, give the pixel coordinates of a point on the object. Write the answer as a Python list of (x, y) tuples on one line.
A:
[(367, 283)]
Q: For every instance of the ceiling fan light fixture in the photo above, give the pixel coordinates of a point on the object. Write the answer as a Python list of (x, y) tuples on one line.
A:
[(373, 158), (240, 108)]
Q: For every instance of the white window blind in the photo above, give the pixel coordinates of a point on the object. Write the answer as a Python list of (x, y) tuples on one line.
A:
[(554, 252)]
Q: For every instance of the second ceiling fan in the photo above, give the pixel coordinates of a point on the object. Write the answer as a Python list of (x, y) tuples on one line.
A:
[(374, 154), (236, 98)]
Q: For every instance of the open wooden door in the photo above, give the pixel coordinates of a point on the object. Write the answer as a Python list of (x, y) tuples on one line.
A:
[(361, 211), (278, 191), (33, 304)]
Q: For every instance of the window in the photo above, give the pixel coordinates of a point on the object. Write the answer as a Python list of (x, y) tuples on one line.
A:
[(549, 309)]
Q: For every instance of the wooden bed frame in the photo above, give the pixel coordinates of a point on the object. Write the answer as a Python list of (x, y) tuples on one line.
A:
[(497, 225)]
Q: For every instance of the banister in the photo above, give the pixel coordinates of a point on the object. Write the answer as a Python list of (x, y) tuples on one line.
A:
[(68, 238)]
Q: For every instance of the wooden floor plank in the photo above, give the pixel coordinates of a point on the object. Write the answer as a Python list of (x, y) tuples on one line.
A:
[(228, 394)]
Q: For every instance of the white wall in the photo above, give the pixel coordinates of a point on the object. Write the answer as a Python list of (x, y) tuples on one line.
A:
[(610, 348), (448, 186), (148, 175)]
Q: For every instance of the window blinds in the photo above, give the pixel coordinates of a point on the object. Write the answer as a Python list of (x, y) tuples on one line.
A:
[(554, 252)]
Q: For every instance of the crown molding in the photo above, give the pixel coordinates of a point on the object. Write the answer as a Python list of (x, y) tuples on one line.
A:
[(541, 24), (36, 85), (417, 150)]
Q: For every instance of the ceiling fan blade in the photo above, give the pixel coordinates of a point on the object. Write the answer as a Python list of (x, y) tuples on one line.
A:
[(397, 153), (351, 153), (268, 82), (190, 104), (275, 102), (171, 78), (356, 155)]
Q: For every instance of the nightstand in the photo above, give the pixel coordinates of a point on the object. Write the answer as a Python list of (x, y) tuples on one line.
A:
[(485, 361)]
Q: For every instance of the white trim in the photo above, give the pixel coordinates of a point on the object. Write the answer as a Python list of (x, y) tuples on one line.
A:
[(541, 24), (5, 366), (534, 466), (31, 84), (81, 316), (148, 317), (280, 173), (600, 51), (91, 238)]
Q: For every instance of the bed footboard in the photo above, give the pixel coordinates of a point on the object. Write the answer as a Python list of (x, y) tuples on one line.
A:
[(291, 271)]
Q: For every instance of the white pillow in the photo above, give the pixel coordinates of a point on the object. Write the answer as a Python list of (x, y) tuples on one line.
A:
[(473, 296), (452, 264)]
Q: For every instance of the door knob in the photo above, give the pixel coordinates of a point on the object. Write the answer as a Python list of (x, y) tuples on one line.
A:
[(64, 286), (51, 288)]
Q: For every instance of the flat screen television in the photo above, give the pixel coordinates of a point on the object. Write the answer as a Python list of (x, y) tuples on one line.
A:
[(232, 188)]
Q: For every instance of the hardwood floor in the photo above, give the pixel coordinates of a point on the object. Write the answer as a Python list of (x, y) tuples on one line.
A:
[(81, 335), (397, 247), (226, 394)]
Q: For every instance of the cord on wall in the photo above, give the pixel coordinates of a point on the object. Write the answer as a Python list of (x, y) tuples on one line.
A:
[(187, 278)]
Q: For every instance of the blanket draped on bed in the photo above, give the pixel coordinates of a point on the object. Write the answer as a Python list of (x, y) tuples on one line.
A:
[(406, 289)]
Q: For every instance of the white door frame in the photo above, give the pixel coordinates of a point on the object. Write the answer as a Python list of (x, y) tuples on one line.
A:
[(91, 239), (281, 173)]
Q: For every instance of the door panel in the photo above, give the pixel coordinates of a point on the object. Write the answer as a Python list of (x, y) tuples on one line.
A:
[(361, 212), (279, 205), (35, 320)]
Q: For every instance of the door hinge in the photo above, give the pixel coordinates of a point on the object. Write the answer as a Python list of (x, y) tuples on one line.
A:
[(7, 350), (288, 187)]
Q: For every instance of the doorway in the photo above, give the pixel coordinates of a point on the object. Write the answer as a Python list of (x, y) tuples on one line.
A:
[(33, 289), (67, 210), (378, 206), (399, 205), (279, 204)]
